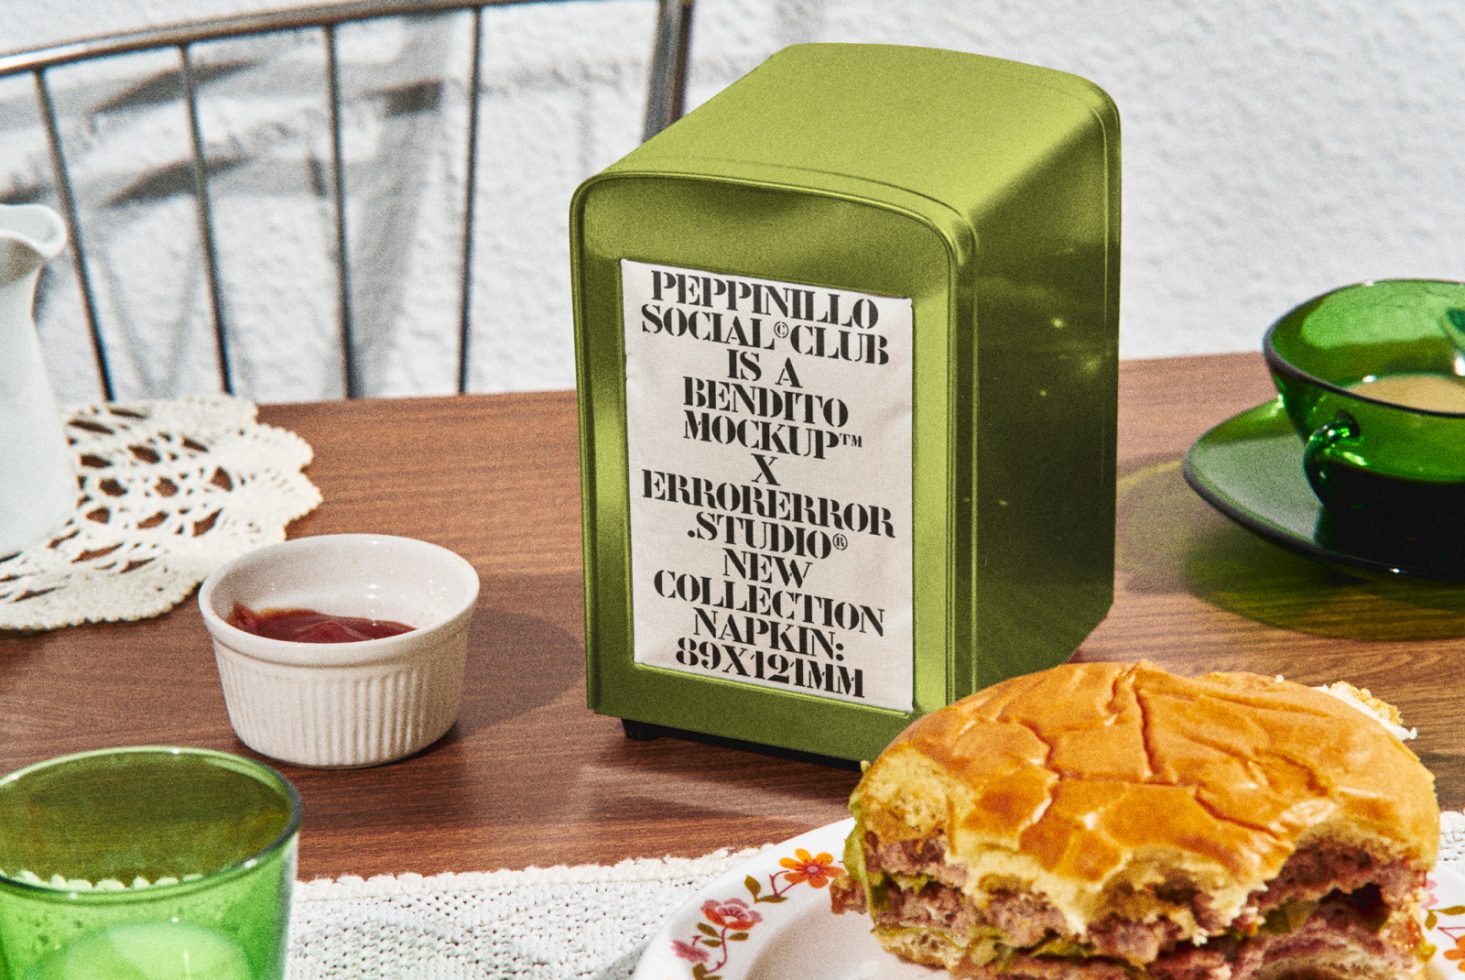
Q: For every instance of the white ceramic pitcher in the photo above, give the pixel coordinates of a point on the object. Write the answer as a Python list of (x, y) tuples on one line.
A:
[(38, 488)]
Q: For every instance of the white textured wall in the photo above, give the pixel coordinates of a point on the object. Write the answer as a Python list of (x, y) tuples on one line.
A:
[(1271, 151)]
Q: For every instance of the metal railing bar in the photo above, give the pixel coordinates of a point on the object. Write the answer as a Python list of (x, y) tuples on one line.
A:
[(73, 227), (465, 321), (338, 185), (206, 221), (242, 25), (669, 58)]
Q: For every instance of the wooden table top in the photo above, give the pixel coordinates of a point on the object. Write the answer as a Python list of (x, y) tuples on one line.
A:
[(529, 776)]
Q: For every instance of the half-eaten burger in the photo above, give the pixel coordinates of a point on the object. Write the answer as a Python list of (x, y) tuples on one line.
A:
[(1114, 821)]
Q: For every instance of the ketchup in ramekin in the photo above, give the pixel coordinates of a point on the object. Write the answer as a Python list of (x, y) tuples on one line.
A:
[(310, 626)]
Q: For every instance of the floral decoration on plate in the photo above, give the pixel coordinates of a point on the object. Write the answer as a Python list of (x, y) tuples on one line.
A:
[(1446, 923), (729, 921)]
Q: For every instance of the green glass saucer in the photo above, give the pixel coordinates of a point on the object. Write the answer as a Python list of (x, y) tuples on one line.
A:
[(1250, 469)]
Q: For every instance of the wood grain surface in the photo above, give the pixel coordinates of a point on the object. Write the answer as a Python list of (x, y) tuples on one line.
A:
[(529, 776)]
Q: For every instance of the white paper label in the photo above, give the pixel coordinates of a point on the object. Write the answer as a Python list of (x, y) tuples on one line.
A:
[(768, 426)]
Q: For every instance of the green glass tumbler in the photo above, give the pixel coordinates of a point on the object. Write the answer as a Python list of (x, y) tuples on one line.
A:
[(146, 863)]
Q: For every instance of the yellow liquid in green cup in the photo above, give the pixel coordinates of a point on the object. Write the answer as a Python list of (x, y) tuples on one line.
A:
[(147, 951), (1416, 389)]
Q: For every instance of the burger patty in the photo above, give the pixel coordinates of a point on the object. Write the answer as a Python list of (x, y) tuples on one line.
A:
[(1334, 928), (1360, 890)]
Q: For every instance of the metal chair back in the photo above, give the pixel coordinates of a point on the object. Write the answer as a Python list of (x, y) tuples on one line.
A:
[(665, 101)]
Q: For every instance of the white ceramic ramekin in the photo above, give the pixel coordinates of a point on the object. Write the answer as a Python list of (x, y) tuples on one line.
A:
[(339, 705)]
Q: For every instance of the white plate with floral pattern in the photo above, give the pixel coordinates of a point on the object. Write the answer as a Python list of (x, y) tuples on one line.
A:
[(769, 919)]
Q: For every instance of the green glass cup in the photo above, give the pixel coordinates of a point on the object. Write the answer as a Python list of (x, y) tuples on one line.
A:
[(1373, 381), (146, 862)]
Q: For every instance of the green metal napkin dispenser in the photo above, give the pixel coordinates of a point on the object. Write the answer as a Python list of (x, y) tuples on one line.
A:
[(847, 362)]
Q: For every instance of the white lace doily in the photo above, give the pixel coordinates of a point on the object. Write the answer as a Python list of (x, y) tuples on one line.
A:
[(168, 490), (566, 923)]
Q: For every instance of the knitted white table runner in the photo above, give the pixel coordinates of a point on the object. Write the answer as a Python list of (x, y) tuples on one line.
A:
[(589, 921), (563, 923)]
